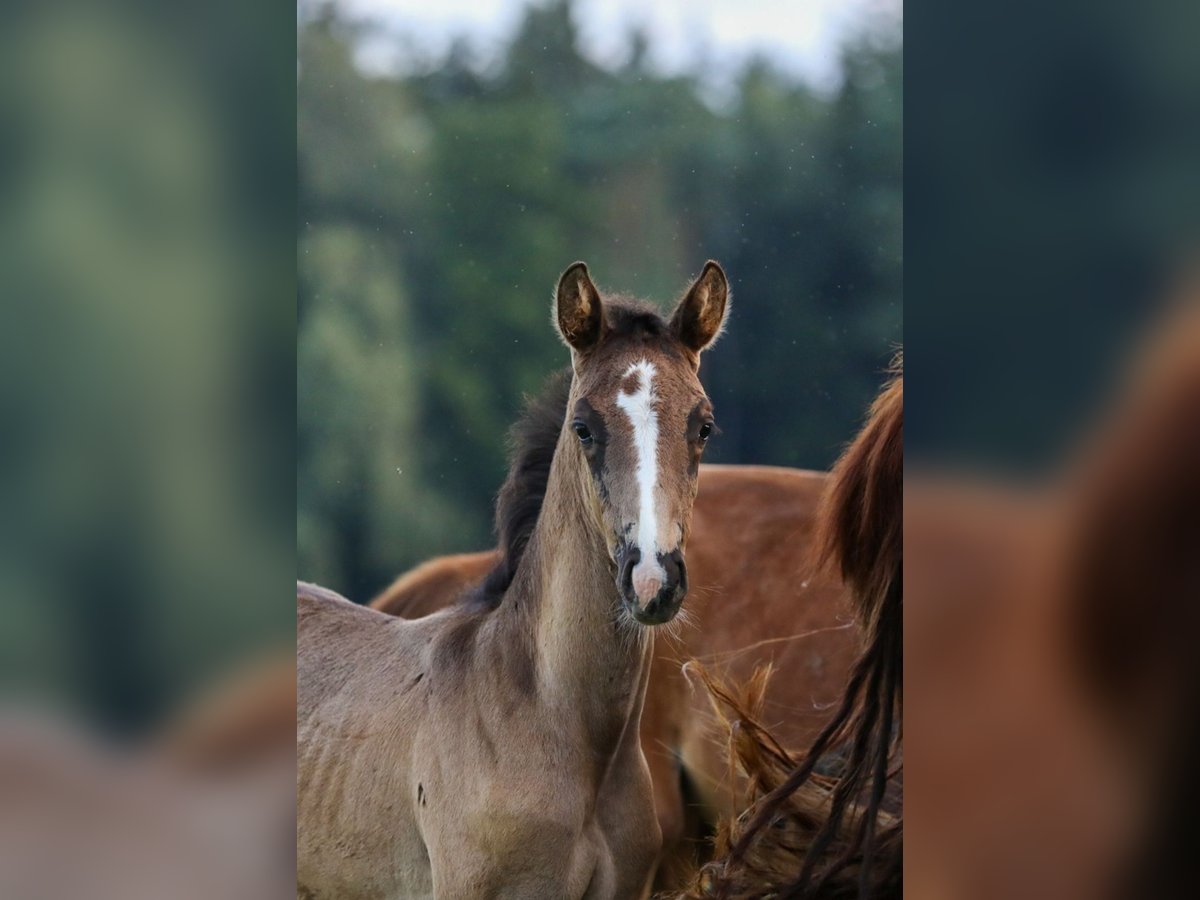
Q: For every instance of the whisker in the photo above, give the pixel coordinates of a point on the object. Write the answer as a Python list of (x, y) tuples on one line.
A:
[(725, 655)]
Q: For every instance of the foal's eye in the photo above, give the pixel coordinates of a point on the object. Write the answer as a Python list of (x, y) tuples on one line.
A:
[(706, 431), (582, 432)]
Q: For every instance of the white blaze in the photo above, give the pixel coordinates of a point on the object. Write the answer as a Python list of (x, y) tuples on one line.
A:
[(639, 406)]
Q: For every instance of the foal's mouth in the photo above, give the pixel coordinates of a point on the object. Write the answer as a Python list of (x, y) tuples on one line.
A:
[(652, 591)]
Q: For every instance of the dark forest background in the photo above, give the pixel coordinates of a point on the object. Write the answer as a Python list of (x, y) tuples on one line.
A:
[(438, 207)]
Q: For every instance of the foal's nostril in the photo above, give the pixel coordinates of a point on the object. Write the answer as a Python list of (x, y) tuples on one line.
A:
[(676, 570), (630, 558)]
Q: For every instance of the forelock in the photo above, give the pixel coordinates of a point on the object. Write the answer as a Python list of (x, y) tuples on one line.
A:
[(630, 318)]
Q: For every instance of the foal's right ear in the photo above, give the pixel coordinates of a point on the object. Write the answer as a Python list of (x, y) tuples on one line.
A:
[(577, 309), (700, 316)]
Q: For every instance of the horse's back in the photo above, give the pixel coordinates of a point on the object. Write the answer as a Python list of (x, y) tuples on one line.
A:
[(801, 487), (435, 584)]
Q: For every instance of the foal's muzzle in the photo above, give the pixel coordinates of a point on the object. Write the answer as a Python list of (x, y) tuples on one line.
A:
[(651, 592)]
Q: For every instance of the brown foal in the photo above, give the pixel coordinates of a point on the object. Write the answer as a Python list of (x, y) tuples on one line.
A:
[(756, 596), (492, 749)]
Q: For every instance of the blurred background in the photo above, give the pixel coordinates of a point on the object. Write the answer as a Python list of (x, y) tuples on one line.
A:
[(1053, 197), (146, 353), (455, 158), (147, 474)]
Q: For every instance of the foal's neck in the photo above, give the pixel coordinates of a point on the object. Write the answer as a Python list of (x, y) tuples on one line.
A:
[(589, 662)]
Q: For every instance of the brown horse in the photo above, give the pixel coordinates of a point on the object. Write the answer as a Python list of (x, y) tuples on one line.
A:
[(802, 835), (1050, 660), (492, 749), (755, 596)]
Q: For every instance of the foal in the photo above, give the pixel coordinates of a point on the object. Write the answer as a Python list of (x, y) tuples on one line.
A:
[(492, 749)]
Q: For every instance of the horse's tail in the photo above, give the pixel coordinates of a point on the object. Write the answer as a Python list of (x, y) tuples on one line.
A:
[(809, 836), (861, 521)]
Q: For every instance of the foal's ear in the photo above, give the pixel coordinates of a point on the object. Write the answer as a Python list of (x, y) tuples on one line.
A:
[(577, 309), (700, 315)]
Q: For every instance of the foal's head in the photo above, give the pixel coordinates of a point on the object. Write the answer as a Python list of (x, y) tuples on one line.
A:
[(639, 420)]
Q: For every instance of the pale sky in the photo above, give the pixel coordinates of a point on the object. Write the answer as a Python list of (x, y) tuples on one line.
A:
[(800, 35)]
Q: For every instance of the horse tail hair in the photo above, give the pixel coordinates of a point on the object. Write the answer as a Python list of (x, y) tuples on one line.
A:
[(861, 520)]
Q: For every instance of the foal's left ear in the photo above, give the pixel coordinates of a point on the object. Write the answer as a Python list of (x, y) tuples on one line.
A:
[(698, 319), (578, 312)]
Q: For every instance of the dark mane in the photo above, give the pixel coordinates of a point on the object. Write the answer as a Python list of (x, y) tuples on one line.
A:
[(532, 440)]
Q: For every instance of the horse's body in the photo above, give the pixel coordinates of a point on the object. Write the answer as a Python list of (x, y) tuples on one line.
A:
[(754, 597), (492, 749)]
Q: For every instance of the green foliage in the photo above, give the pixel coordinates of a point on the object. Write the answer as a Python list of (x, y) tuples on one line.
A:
[(438, 208)]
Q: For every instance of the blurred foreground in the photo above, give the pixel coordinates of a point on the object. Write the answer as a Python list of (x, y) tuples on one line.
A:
[(147, 353), (1050, 681)]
